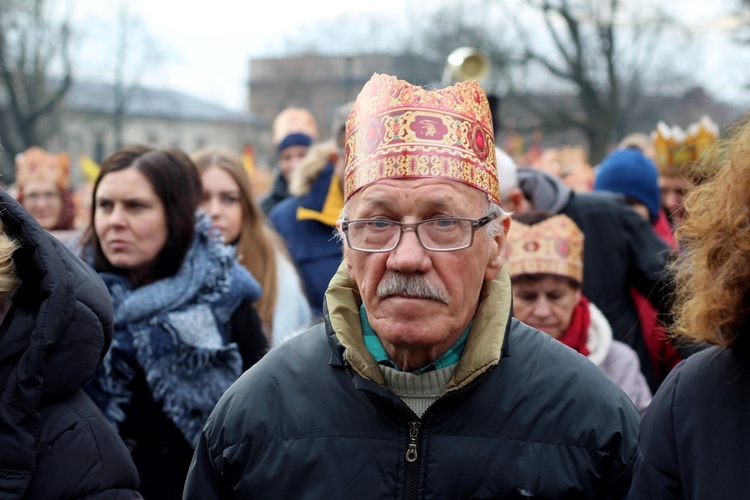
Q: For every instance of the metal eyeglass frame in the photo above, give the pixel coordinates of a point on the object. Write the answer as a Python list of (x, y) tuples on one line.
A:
[(414, 226)]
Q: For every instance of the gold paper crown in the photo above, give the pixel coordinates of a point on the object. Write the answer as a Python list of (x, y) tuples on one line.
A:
[(37, 165), (553, 246), (294, 121), (398, 130), (676, 148)]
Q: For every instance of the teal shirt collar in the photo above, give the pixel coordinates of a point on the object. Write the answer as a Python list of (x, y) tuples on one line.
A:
[(372, 342)]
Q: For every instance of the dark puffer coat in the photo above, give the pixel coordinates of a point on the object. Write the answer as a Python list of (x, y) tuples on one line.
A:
[(694, 439), (523, 416), (54, 441)]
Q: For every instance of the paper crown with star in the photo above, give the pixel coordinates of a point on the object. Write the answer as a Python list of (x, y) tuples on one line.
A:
[(398, 130), (552, 246), (677, 149), (37, 165)]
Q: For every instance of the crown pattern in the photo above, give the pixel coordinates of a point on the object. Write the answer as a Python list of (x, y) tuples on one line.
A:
[(398, 130), (552, 246), (676, 148), (37, 165)]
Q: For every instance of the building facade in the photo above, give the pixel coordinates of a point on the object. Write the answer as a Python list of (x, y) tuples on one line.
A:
[(159, 118)]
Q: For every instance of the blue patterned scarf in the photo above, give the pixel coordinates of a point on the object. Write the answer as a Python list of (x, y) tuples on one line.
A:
[(175, 331)]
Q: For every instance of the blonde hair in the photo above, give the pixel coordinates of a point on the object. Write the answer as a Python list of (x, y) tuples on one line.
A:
[(258, 242), (711, 273), (8, 279)]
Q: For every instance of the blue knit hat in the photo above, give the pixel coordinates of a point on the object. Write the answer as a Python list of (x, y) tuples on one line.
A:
[(629, 172), (295, 139)]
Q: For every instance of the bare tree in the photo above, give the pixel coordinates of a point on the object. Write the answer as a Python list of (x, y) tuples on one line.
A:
[(599, 68), (573, 64), (598, 52), (742, 16), (135, 52), (737, 23), (35, 74)]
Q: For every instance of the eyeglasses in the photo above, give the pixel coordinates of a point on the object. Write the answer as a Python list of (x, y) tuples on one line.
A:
[(446, 234)]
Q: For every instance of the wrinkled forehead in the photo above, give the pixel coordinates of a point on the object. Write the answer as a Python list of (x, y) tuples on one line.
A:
[(412, 196)]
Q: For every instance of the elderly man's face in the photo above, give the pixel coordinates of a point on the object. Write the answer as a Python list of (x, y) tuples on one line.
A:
[(406, 323)]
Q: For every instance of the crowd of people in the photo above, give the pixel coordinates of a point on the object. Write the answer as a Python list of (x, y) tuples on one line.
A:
[(409, 312)]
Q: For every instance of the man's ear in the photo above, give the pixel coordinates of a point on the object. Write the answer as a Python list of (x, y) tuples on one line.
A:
[(497, 259)]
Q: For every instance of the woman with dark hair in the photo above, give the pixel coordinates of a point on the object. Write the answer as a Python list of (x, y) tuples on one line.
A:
[(185, 324)]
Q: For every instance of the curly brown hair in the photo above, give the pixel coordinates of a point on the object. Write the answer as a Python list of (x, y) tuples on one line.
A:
[(712, 272)]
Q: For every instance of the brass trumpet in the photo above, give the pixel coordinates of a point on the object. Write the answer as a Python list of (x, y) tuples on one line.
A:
[(466, 63)]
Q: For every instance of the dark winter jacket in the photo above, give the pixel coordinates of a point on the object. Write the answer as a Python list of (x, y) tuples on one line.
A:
[(694, 435), (54, 442), (621, 251), (523, 416)]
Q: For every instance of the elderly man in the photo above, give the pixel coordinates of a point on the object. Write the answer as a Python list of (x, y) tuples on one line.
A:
[(419, 384)]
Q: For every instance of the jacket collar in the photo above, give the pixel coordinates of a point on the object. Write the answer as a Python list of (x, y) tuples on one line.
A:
[(325, 201), (484, 347)]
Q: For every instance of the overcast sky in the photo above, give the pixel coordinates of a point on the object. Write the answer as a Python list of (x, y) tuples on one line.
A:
[(205, 51)]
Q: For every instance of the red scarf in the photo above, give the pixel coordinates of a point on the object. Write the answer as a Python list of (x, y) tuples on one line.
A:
[(577, 333)]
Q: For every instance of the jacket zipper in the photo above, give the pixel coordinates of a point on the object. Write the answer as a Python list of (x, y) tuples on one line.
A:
[(411, 470)]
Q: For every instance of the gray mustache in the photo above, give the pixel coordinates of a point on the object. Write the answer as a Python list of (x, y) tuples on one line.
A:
[(414, 285)]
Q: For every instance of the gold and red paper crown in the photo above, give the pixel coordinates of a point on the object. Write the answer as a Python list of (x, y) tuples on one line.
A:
[(553, 246), (675, 148), (37, 165), (398, 130)]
